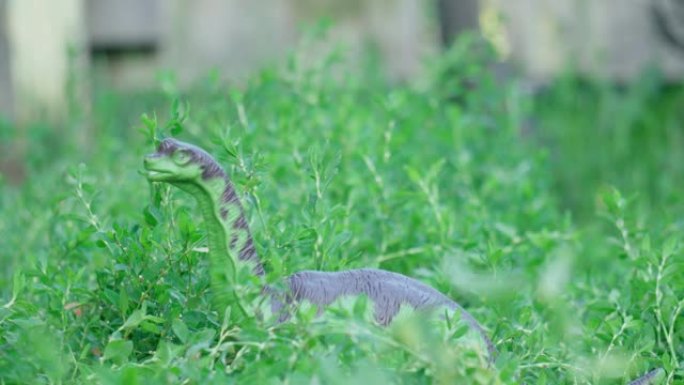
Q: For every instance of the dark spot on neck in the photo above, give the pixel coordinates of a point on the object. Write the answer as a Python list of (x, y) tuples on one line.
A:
[(211, 169), (228, 195), (240, 222)]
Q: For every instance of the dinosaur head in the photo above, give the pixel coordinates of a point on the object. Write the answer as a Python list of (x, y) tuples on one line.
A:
[(178, 162)]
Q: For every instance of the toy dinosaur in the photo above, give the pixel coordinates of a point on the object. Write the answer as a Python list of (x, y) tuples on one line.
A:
[(193, 170)]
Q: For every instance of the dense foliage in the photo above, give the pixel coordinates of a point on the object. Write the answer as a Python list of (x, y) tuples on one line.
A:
[(446, 180)]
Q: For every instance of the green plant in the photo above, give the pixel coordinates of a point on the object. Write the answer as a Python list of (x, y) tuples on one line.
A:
[(107, 276)]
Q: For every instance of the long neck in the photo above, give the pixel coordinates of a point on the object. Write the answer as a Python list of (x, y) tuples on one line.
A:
[(228, 236)]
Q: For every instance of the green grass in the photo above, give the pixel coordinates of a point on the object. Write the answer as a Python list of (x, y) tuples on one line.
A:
[(631, 137), (105, 280)]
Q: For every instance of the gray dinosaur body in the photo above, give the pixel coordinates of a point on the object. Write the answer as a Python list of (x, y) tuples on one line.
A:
[(388, 291)]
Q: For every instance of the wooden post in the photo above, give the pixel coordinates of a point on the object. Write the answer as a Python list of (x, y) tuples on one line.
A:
[(46, 38), (42, 46)]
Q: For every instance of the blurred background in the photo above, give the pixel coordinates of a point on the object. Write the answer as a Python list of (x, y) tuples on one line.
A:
[(126, 42), (588, 60)]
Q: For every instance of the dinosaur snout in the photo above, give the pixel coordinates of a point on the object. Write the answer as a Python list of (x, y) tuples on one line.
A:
[(151, 159)]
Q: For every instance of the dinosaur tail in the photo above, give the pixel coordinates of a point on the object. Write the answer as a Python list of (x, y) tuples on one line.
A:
[(472, 322), (648, 378)]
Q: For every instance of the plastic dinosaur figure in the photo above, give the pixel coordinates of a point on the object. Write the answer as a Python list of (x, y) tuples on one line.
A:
[(230, 242)]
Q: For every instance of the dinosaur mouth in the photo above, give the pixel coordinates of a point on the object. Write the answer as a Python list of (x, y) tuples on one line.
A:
[(153, 170), (155, 174)]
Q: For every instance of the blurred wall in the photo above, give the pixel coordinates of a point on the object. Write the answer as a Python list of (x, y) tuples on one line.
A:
[(5, 79), (124, 38), (128, 41), (235, 36), (232, 36), (613, 39)]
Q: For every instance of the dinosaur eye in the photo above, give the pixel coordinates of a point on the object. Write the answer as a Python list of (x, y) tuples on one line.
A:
[(181, 157)]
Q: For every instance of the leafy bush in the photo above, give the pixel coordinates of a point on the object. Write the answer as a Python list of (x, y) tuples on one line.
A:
[(107, 277)]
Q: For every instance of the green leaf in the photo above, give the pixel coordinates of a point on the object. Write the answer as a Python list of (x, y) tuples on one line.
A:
[(670, 246), (435, 169), (130, 376), (201, 341), (226, 322), (360, 306), (150, 217), (123, 300), (150, 327), (413, 174), (175, 128), (460, 330), (149, 122), (134, 319), (167, 351), (118, 351), (673, 270), (174, 108), (18, 282), (180, 330), (111, 296)]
